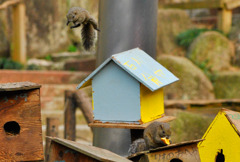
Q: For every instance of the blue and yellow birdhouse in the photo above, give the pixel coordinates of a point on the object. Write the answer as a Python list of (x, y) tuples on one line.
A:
[(222, 138), (128, 88)]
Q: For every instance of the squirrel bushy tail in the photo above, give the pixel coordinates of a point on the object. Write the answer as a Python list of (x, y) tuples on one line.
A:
[(88, 35)]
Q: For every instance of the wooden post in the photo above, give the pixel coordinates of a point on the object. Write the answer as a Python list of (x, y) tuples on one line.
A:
[(18, 47), (52, 131), (69, 116), (224, 20), (83, 102)]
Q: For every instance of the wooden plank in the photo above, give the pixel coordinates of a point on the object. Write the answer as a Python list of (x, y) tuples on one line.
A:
[(224, 22), (61, 153), (230, 5), (18, 48), (69, 116), (52, 131), (196, 4), (8, 3), (87, 152), (201, 103), (234, 119), (130, 126), (186, 151), (42, 77), (23, 109), (18, 86)]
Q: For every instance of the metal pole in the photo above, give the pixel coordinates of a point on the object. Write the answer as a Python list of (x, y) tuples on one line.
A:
[(127, 24), (124, 25)]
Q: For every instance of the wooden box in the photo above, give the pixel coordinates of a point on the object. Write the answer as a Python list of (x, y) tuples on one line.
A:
[(180, 152), (128, 88), (69, 151), (20, 122)]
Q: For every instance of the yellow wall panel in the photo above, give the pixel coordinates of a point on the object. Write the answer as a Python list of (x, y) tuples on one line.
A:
[(152, 104), (220, 135)]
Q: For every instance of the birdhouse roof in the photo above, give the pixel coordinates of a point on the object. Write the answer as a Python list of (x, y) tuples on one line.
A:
[(169, 147), (234, 118), (140, 66), (91, 151), (18, 86)]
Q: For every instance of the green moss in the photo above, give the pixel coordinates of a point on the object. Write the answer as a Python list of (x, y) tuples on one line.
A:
[(72, 48), (188, 126), (48, 57), (33, 67), (213, 48), (192, 84), (226, 85), (171, 23), (9, 64)]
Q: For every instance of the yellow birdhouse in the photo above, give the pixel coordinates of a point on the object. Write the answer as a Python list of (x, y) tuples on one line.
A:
[(221, 140)]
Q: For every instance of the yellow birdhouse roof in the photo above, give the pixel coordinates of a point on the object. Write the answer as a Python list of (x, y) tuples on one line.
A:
[(222, 138)]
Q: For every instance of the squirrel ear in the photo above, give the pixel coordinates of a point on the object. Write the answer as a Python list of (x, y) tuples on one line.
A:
[(161, 126)]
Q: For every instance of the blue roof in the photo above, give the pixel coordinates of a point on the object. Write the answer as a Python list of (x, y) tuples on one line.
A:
[(140, 66)]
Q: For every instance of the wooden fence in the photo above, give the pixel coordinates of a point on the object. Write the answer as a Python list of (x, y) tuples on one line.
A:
[(225, 7)]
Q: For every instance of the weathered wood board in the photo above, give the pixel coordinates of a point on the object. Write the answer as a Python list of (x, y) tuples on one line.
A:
[(69, 151), (184, 151), (130, 126)]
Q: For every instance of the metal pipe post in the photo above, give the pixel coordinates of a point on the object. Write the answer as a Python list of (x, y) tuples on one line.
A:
[(124, 25)]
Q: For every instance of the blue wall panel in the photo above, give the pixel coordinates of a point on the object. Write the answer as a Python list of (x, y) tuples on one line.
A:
[(116, 95)]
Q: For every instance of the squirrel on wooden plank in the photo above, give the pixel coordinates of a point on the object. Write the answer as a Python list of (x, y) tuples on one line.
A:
[(79, 16), (155, 135)]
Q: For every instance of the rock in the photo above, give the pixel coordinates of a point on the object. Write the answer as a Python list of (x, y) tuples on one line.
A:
[(234, 36), (226, 85), (171, 22), (193, 83), (40, 63), (64, 56), (212, 49)]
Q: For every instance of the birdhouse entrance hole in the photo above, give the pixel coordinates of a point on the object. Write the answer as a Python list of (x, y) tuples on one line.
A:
[(220, 156), (11, 128), (176, 160)]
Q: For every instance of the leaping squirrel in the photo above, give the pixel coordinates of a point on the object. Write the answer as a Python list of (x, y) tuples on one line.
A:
[(78, 16)]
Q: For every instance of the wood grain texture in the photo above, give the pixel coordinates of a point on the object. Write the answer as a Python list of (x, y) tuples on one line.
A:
[(23, 107), (185, 151), (195, 4), (59, 152), (52, 131), (18, 86), (131, 126), (62, 149), (69, 116)]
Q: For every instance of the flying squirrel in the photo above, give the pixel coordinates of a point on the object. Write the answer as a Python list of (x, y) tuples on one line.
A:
[(79, 16)]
